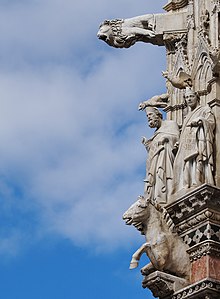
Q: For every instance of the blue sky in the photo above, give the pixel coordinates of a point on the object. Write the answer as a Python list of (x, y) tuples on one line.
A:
[(71, 160)]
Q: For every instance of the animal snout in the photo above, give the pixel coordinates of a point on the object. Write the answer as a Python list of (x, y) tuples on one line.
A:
[(127, 219), (102, 36)]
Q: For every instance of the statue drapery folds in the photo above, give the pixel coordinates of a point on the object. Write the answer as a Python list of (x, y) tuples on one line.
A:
[(193, 164), (179, 160), (161, 148)]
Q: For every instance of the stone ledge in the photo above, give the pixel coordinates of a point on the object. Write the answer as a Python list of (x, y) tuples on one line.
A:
[(207, 288), (163, 285), (175, 4)]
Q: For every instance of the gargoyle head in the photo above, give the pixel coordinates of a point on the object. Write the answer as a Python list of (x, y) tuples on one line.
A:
[(111, 32)]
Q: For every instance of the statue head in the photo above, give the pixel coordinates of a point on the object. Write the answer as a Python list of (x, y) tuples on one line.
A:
[(105, 32), (191, 98), (137, 213), (111, 32), (154, 117)]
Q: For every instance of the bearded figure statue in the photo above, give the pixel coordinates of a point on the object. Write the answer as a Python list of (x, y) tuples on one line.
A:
[(161, 148)]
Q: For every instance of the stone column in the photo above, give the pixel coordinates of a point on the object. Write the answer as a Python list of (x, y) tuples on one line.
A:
[(197, 218), (215, 105)]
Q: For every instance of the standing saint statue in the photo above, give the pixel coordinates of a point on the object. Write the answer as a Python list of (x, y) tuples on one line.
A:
[(193, 164), (161, 152)]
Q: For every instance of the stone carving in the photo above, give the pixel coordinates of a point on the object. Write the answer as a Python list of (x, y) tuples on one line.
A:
[(162, 284), (121, 33), (161, 148), (175, 41), (164, 246), (204, 25), (159, 101), (191, 209), (179, 213), (204, 249), (193, 165), (175, 4), (215, 57), (204, 289), (181, 81)]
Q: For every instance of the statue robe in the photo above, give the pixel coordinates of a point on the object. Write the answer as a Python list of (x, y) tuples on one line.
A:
[(193, 164), (159, 174)]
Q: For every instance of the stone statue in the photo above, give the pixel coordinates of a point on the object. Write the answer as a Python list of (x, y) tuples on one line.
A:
[(165, 249), (179, 210), (125, 33), (193, 164), (161, 149), (159, 101), (181, 81)]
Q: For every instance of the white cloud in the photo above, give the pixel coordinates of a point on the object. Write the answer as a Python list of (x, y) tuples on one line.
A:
[(70, 152)]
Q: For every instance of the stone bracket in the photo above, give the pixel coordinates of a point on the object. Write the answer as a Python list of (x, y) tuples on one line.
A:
[(163, 285)]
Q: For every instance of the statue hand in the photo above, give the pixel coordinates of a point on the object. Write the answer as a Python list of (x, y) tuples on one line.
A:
[(175, 148), (196, 123), (176, 145), (163, 141), (144, 140)]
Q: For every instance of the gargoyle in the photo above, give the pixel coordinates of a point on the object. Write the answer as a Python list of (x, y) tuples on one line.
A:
[(121, 33), (181, 81), (164, 247), (159, 101)]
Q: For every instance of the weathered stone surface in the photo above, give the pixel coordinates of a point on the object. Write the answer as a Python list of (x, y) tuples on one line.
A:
[(160, 148), (175, 4), (180, 208), (205, 267), (194, 208), (194, 162), (205, 289), (163, 285), (164, 247), (123, 33)]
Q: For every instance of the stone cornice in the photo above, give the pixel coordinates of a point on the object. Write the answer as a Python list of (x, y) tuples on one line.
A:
[(207, 288), (198, 219), (205, 248), (190, 204), (175, 4), (163, 285)]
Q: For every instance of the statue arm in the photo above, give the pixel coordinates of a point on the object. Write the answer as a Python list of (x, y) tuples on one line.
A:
[(206, 119), (145, 142)]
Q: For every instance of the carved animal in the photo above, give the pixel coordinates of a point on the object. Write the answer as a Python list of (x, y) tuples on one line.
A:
[(181, 81), (159, 101), (215, 57), (120, 33), (165, 249)]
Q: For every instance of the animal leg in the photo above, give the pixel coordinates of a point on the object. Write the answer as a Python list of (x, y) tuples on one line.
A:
[(146, 270), (137, 255)]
